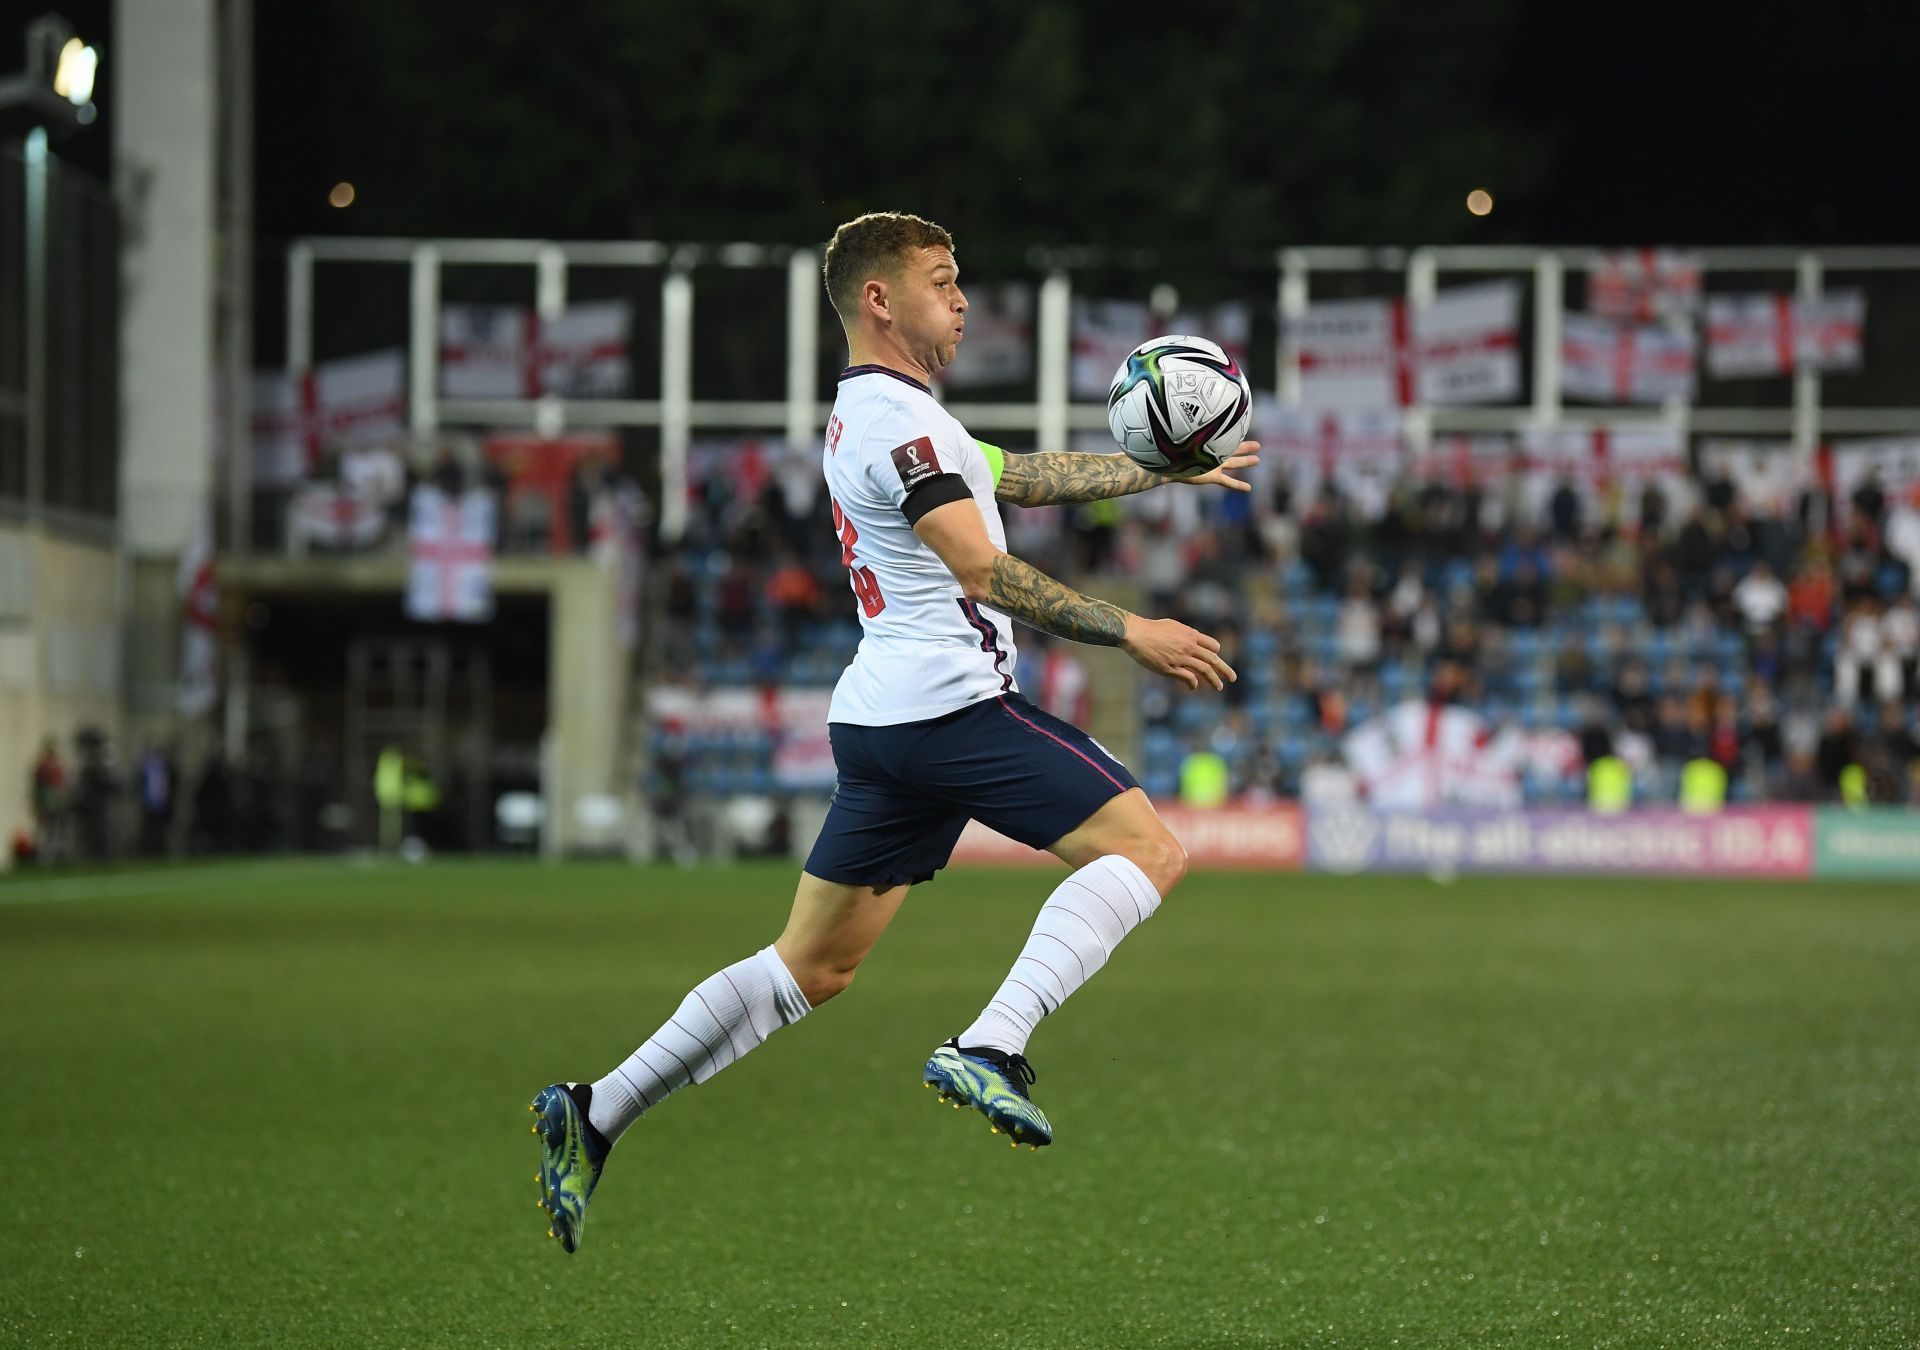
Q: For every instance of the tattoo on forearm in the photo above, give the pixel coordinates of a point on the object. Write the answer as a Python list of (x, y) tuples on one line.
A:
[(1070, 476), (1027, 593)]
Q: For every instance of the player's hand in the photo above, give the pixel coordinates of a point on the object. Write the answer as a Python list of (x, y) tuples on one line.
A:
[(1246, 457), (1168, 647)]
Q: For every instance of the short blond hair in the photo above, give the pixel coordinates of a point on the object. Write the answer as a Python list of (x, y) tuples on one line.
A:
[(874, 245)]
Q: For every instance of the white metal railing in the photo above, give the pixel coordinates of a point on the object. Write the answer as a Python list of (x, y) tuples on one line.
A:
[(1051, 414)]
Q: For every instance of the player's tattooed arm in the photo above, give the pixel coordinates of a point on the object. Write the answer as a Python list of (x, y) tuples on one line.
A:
[(1027, 593), (1051, 476)]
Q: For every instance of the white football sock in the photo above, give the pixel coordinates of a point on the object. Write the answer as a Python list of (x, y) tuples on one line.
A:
[(1078, 928), (726, 1015)]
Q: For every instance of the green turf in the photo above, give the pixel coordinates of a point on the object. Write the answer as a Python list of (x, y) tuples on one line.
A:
[(285, 1105)]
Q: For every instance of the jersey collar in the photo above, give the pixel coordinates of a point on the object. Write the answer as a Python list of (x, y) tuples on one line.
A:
[(852, 371)]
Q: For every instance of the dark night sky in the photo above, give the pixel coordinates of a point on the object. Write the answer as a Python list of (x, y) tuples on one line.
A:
[(1343, 121)]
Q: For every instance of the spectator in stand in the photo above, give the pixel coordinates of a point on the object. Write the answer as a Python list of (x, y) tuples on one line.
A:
[(1664, 598), (1705, 695), (1838, 749), (1405, 600), (1563, 510), (1800, 782), (1718, 600), (736, 596), (1862, 652), (1859, 567), (1900, 640), (1810, 598), (1574, 671), (1869, 500), (1326, 704), (1896, 752), (1632, 700), (1694, 551), (1324, 538), (1723, 741), (1653, 511), (1356, 630), (1760, 600), (1617, 568), (1760, 741), (794, 595), (1901, 537)]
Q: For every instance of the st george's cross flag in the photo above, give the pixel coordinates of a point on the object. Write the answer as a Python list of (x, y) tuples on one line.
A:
[(1607, 362), (1643, 284), (450, 555), (336, 406), (508, 351), (1761, 334), (1461, 348), (1105, 332)]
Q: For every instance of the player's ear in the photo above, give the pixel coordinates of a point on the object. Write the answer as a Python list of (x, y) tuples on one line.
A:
[(874, 300)]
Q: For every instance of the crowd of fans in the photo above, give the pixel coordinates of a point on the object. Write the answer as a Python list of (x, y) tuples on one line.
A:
[(1662, 628), (1781, 645)]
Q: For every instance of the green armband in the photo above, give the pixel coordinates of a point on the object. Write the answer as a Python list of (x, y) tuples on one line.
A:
[(996, 459)]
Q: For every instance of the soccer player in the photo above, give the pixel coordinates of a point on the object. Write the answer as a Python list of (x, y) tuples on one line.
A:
[(928, 729)]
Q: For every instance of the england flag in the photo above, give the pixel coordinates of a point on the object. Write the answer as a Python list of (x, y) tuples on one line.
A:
[(1461, 348), (337, 405), (450, 556), (1607, 362)]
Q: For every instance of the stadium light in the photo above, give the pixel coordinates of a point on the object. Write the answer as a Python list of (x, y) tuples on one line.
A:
[(73, 75), (56, 89), (1480, 202)]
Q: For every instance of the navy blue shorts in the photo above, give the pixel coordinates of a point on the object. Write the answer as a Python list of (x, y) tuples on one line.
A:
[(905, 792)]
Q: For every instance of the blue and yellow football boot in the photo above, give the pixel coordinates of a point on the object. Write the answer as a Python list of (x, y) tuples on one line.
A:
[(993, 1083), (572, 1153)]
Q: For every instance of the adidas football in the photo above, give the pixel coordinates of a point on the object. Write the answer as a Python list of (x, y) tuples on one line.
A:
[(1179, 405)]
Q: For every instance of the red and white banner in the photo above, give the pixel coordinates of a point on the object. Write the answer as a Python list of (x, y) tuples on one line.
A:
[(1642, 284), (1758, 335), (336, 406), (1418, 755), (1766, 475), (1893, 462), (1105, 332), (198, 587), (506, 351), (1462, 348), (450, 556), (1462, 461), (1270, 836), (1608, 362), (998, 348), (335, 517), (1357, 452), (1609, 467)]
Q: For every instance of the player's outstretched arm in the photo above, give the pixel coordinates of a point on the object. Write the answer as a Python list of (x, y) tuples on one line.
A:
[(1167, 647), (1050, 477)]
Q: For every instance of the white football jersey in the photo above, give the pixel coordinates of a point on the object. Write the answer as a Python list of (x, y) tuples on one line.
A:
[(925, 648)]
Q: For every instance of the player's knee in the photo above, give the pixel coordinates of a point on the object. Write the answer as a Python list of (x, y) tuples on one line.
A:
[(1164, 861), (822, 980)]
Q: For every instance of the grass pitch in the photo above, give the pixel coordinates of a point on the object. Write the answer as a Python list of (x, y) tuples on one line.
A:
[(284, 1104)]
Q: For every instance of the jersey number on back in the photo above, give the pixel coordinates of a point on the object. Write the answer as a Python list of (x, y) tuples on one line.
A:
[(864, 584)]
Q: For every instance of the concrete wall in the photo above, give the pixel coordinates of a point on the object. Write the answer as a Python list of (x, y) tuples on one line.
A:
[(59, 656)]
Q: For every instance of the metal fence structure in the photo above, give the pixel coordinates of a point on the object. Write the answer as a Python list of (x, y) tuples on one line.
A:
[(59, 339), (1807, 414)]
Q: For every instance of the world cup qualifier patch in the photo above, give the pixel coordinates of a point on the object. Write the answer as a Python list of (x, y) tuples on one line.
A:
[(915, 462)]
